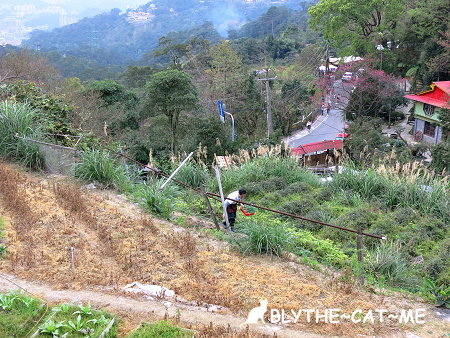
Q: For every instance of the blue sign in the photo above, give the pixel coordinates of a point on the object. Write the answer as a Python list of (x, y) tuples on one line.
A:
[(221, 111)]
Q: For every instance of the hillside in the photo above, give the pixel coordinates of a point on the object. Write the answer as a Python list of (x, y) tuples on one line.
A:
[(129, 35), (116, 243)]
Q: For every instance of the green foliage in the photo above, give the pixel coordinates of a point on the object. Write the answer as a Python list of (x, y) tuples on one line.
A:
[(79, 321), (193, 174), (160, 329), (394, 191), (387, 263), (17, 121), (136, 77), (160, 203), (441, 157), (51, 327), (324, 249), (263, 237), (439, 294), (99, 166), (170, 92), (355, 25), (111, 92), (18, 314), (261, 169), (50, 112)]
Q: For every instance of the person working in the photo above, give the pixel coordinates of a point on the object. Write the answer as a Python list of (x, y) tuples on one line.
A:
[(231, 206)]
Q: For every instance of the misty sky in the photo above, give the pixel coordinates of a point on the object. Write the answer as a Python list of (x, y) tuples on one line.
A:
[(76, 5)]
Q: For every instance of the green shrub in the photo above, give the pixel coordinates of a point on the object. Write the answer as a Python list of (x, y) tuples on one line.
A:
[(17, 121), (298, 207), (160, 329), (261, 169), (99, 166), (18, 314), (324, 249), (192, 174), (387, 263), (268, 239), (160, 203)]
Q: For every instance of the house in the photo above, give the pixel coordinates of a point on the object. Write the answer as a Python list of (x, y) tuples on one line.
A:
[(318, 153), (427, 105)]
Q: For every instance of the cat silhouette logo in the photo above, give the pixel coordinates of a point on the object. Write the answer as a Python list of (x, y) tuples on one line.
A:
[(257, 313)]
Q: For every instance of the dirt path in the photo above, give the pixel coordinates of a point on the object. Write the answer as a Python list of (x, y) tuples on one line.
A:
[(142, 310), (116, 243)]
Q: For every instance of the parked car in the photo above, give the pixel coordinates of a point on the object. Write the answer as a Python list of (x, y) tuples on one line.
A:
[(341, 136), (348, 76)]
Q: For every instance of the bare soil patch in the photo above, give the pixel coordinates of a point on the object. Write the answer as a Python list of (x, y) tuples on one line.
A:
[(116, 243)]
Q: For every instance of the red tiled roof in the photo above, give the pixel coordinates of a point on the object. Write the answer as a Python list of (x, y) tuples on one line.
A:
[(438, 95), (428, 100), (317, 146), (444, 85)]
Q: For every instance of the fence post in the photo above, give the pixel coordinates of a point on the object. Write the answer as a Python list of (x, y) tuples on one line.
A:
[(225, 214), (359, 247), (211, 211)]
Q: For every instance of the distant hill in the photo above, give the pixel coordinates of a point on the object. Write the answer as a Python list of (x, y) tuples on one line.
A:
[(118, 37)]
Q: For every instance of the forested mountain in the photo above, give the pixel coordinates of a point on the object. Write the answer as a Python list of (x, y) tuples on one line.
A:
[(118, 37)]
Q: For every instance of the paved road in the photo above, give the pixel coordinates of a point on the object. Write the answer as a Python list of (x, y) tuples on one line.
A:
[(324, 127)]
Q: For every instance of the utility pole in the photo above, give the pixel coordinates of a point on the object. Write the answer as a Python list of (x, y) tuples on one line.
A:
[(268, 102)]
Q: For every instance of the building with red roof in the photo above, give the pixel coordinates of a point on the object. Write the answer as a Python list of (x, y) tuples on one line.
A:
[(427, 105)]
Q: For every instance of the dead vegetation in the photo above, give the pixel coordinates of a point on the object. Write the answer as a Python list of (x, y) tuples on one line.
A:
[(114, 246)]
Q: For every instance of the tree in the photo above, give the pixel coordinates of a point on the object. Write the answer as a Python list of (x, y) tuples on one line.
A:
[(226, 68), (170, 92), (356, 23), (111, 92), (23, 65), (294, 97), (136, 77), (376, 94)]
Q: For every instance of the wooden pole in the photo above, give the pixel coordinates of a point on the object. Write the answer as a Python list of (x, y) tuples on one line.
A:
[(359, 247), (211, 211), (225, 214)]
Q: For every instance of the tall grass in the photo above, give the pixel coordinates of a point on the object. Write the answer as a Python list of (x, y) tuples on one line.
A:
[(17, 121), (160, 203), (193, 174), (99, 166), (261, 169), (268, 239), (392, 191), (387, 263)]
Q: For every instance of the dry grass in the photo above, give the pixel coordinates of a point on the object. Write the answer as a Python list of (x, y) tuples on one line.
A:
[(116, 243)]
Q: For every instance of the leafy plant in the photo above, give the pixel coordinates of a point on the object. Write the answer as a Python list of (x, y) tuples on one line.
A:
[(17, 122), (7, 301), (387, 262), (3, 251), (156, 201), (192, 174), (62, 308), (324, 249), (51, 327), (102, 320), (77, 325), (269, 239), (84, 310), (99, 166), (440, 294), (160, 329)]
